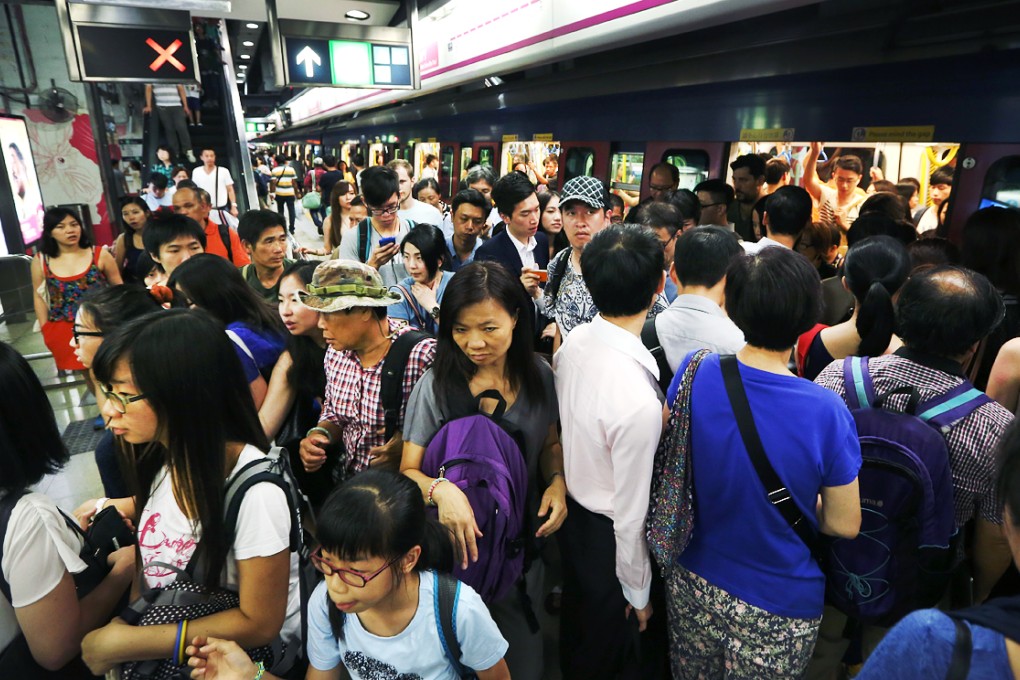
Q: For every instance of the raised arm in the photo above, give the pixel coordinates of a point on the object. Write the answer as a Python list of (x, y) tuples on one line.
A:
[(811, 182)]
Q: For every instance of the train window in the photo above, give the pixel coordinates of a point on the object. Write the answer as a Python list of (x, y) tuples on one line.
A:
[(692, 164), (1002, 183), (446, 171), (580, 161), (487, 155), (626, 171), (465, 161)]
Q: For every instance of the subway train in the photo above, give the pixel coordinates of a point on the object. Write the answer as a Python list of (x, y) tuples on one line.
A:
[(904, 105)]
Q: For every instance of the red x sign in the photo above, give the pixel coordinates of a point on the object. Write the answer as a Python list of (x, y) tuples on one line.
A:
[(165, 55)]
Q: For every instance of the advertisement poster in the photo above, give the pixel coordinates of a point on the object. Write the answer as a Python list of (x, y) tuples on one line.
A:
[(23, 180)]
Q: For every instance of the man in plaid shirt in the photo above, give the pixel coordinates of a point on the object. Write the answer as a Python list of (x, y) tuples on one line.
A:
[(353, 300), (942, 314)]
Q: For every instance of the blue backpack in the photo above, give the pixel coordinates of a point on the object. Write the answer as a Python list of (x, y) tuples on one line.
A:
[(906, 551), (486, 462)]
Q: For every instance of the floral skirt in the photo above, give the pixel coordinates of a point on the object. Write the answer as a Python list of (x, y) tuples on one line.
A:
[(713, 634)]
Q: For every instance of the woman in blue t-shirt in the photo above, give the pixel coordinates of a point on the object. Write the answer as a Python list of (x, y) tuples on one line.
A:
[(375, 614), (214, 284), (425, 259), (745, 599)]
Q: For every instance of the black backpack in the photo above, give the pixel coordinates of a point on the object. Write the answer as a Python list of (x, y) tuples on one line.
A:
[(391, 391), (365, 243)]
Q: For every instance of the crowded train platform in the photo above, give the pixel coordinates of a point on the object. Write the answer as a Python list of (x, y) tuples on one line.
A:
[(331, 359)]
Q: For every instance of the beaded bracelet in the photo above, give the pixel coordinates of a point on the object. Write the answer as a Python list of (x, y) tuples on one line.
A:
[(432, 487), (260, 670)]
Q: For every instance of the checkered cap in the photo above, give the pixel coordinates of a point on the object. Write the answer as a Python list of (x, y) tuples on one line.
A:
[(585, 189)]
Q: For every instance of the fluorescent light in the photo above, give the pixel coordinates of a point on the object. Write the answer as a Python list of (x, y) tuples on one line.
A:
[(243, 66), (248, 43), (356, 15), (251, 25), (199, 5), (246, 56)]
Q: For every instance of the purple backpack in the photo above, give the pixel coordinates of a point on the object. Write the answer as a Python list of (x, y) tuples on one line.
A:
[(477, 454), (907, 547)]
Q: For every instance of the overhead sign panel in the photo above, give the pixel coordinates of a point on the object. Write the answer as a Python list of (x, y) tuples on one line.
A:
[(308, 62)]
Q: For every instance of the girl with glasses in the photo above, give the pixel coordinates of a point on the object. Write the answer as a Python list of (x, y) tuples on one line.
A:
[(375, 614), (179, 403)]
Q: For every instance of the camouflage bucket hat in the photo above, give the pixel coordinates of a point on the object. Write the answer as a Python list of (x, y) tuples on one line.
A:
[(344, 284)]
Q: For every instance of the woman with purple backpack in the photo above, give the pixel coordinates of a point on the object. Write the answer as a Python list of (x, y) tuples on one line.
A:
[(485, 345)]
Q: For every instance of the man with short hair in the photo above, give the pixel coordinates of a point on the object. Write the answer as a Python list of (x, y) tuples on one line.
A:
[(380, 191), (714, 198), (787, 212), (942, 315), (216, 180), (611, 414), (940, 186), (842, 204), (521, 245), (327, 180), (695, 319), (481, 178), (410, 207), (221, 240), (616, 208), (284, 188), (352, 301), (748, 180), (777, 174), (171, 238), (264, 237), (172, 109), (158, 196), (663, 180), (468, 212), (664, 219)]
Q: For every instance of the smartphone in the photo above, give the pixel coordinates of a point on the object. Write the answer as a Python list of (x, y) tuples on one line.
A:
[(387, 240)]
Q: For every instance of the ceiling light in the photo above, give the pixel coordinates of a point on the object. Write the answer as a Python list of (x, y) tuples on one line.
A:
[(200, 5), (356, 15), (246, 56), (251, 25), (243, 66), (248, 43)]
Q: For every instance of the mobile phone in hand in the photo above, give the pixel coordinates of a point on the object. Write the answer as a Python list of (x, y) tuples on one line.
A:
[(387, 240)]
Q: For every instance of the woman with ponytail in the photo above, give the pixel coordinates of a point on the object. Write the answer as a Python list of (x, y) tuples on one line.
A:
[(873, 272), (375, 615)]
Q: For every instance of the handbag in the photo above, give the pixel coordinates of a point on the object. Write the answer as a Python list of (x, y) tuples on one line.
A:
[(106, 534), (670, 521), (312, 200)]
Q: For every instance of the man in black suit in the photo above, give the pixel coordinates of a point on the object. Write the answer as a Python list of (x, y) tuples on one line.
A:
[(521, 245)]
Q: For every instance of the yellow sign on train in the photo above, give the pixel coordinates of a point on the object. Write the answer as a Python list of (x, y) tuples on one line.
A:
[(509, 138), (767, 134), (895, 133), (542, 137)]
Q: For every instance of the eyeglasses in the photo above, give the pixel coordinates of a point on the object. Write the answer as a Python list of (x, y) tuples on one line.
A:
[(120, 401), (665, 244), (709, 205), (379, 212), (351, 578), (78, 335), (660, 187)]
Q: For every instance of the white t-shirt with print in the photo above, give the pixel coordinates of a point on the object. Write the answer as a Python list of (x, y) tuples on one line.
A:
[(39, 549), (414, 653), (166, 535)]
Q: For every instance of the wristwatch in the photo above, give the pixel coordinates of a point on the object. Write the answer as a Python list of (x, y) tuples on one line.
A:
[(434, 312)]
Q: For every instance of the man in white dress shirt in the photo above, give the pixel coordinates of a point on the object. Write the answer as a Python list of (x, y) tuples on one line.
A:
[(612, 416)]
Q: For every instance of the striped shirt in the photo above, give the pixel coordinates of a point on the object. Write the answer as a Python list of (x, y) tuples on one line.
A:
[(285, 178), (166, 96), (971, 441)]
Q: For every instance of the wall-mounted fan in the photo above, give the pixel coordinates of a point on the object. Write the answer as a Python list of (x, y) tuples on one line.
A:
[(58, 104)]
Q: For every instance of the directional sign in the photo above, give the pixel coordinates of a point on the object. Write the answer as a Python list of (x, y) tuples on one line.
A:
[(308, 62), (129, 53)]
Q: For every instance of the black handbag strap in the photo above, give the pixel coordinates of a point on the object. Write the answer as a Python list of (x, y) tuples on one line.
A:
[(778, 495), (959, 664)]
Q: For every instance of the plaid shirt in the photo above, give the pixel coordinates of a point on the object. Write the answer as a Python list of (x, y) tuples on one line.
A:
[(353, 401), (971, 441)]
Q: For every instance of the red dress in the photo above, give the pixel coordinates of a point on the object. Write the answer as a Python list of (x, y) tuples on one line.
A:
[(65, 295)]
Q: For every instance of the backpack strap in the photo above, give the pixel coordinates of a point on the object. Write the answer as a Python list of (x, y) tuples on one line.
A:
[(264, 469), (225, 236), (650, 339), (412, 303), (804, 343), (444, 601), (556, 273), (858, 385), (956, 404), (778, 495), (392, 389), (963, 647), (364, 245), (6, 510)]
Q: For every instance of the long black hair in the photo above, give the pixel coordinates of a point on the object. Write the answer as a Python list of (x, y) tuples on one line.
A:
[(136, 201), (111, 307), (381, 514), (431, 243), (875, 268), (186, 367), (305, 375), (478, 282), (53, 217), (216, 285), (30, 443)]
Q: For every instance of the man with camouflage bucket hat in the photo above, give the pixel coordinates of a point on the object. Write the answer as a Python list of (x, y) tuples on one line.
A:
[(352, 302)]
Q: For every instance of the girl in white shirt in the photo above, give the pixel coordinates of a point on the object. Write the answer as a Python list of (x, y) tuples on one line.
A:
[(178, 400)]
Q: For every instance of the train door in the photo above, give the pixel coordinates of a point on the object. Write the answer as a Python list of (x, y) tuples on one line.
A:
[(487, 153), (987, 175), (583, 158), (449, 169), (696, 161)]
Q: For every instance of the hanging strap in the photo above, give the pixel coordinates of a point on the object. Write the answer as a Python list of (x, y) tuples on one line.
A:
[(777, 493), (413, 305)]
